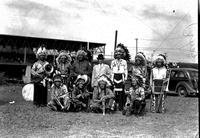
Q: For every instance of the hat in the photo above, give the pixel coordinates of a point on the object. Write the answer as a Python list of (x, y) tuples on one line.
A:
[(82, 77), (140, 55), (161, 57), (100, 57), (105, 79), (57, 77), (138, 78), (41, 52)]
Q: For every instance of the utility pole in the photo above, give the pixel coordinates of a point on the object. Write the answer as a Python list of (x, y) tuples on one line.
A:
[(115, 45), (136, 45), (152, 55), (165, 56)]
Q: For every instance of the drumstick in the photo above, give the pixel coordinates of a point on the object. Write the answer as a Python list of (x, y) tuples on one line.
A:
[(104, 107)]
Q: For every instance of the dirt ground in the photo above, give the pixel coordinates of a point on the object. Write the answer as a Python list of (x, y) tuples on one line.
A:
[(22, 119)]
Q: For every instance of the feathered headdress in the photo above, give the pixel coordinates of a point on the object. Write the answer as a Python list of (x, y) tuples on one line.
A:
[(85, 78), (41, 51), (142, 57), (161, 57), (138, 78), (81, 52), (126, 56), (105, 79), (64, 54)]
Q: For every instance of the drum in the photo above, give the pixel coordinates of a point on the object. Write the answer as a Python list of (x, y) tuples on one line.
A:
[(28, 92)]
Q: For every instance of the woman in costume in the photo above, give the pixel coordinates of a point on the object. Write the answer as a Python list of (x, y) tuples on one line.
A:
[(135, 102), (119, 74), (158, 76), (140, 66)]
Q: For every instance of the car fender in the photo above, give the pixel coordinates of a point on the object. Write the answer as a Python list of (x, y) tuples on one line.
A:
[(186, 85)]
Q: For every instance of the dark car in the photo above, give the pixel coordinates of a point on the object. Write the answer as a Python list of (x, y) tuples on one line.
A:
[(183, 81)]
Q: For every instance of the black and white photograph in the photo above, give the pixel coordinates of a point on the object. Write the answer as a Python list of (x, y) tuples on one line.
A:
[(99, 69)]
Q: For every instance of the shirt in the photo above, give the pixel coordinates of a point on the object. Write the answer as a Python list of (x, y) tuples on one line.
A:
[(64, 68), (38, 68), (78, 91), (98, 70), (119, 66), (98, 94), (83, 67), (59, 91), (159, 73), (137, 94), (138, 70)]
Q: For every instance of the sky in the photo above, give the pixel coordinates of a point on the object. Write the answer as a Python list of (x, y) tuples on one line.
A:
[(161, 26)]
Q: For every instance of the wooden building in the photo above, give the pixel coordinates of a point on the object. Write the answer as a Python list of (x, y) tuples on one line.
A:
[(17, 52)]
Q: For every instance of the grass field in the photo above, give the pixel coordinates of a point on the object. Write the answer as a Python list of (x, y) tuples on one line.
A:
[(23, 119)]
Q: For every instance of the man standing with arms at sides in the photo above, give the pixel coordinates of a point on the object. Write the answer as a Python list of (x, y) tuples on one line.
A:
[(63, 66), (119, 76)]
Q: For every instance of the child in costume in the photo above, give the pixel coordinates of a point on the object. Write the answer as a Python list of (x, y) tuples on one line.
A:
[(135, 102), (119, 76), (158, 76)]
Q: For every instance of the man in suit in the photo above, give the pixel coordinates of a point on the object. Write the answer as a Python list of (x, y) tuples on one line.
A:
[(99, 70)]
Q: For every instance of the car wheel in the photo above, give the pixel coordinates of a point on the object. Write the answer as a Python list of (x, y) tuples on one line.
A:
[(182, 91)]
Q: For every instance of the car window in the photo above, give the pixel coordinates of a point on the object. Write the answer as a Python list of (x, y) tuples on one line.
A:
[(193, 74), (173, 74), (180, 74)]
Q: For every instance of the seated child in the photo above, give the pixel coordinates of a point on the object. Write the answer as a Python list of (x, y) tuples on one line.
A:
[(135, 102), (59, 95), (102, 97), (80, 94)]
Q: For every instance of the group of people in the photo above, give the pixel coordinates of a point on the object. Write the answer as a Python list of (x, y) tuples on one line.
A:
[(79, 86)]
